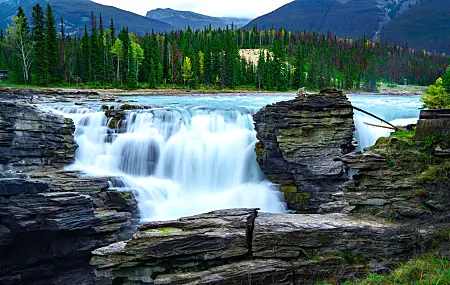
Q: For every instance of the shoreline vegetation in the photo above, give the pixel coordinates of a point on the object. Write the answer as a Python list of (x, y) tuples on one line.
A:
[(400, 90)]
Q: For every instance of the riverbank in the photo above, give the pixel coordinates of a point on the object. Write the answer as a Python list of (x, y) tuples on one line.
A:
[(70, 91)]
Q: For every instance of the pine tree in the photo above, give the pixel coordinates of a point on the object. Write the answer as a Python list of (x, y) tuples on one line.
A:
[(51, 40), (131, 72), (40, 66), (102, 60), (152, 76), (62, 51), (299, 74), (85, 57), (95, 57)]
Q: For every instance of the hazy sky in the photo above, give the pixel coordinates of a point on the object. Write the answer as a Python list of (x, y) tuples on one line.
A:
[(221, 8)]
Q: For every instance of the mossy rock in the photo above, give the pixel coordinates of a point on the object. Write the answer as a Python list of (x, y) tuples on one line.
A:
[(289, 189), (302, 198), (164, 231)]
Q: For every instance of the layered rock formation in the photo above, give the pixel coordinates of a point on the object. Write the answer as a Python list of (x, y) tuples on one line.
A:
[(246, 247), (51, 220), (30, 138), (299, 144), (406, 175)]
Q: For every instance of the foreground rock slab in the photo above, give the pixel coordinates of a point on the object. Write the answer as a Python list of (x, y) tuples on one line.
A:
[(243, 246)]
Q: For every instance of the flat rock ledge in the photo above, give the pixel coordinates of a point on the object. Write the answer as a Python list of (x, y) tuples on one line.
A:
[(243, 246)]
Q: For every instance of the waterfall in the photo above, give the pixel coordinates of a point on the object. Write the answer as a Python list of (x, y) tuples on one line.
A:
[(179, 161), (398, 110), (196, 154)]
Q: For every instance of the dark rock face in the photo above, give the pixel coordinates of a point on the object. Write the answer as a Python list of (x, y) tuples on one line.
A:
[(46, 237), (30, 138), (300, 141), (51, 220), (244, 247)]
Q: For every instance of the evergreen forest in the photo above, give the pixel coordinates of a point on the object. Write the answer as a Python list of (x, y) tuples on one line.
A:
[(38, 51)]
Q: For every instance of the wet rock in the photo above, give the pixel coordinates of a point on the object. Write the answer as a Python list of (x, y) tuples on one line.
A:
[(30, 138), (300, 143), (51, 220), (46, 236)]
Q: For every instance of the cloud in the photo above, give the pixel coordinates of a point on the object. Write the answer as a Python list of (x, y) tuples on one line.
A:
[(222, 8)]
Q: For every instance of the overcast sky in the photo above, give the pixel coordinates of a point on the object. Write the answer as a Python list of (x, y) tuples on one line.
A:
[(221, 8)]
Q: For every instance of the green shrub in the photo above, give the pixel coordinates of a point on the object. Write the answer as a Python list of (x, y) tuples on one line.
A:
[(436, 97)]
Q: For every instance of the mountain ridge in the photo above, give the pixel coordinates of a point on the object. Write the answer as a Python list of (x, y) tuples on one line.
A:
[(76, 14), (183, 19), (395, 21)]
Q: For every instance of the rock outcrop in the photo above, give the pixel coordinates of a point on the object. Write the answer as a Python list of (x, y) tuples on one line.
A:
[(46, 236), (30, 138), (300, 142), (50, 219), (399, 178), (245, 247)]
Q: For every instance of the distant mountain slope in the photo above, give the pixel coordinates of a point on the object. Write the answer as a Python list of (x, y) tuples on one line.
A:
[(183, 19), (76, 14), (426, 25), (352, 19), (421, 23)]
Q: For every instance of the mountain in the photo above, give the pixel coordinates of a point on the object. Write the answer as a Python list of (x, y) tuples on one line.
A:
[(426, 25), (76, 14), (183, 19), (352, 19), (420, 23)]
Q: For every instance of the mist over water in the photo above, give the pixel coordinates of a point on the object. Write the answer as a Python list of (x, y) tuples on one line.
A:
[(189, 155)]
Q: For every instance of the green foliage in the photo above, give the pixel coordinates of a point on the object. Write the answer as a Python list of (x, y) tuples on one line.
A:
[(440, 172), (436, 97), (429, 142), (428, 270), (187, 70), (52, 47), (286, 60), (446, 80)]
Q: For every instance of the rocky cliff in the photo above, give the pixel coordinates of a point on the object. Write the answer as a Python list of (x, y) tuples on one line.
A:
[(300, 142), (50, 219)]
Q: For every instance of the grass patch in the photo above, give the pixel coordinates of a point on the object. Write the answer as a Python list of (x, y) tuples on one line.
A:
[(428, 270), (439, 172)]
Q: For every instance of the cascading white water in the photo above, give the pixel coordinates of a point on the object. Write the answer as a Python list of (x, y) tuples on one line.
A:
[(185, 159), (398, 110), (181, 161)]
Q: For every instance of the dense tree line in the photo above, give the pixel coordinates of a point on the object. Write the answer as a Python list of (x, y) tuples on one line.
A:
[(39, 52)]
